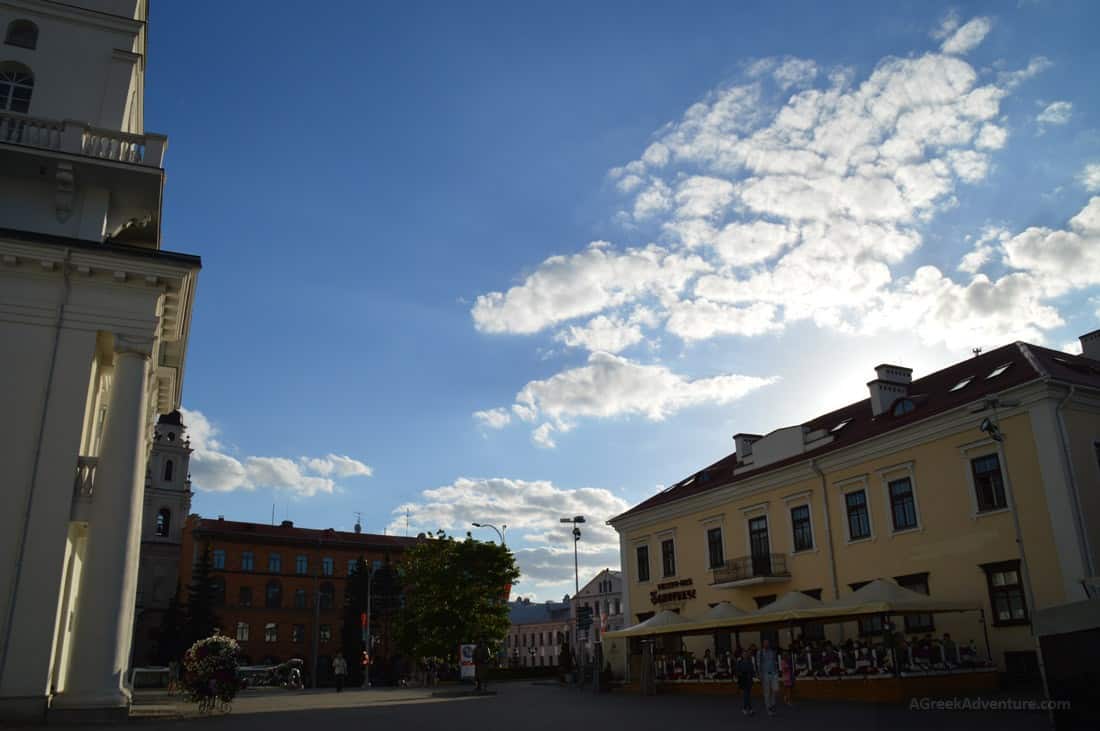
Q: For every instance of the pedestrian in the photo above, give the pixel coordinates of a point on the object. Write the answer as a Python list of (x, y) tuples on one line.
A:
[(340, 670), (787, 668), (173, 676), (481, 665), (768, 661), (743, 669)]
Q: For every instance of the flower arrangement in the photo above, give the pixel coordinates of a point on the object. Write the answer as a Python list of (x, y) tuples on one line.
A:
[(210, 671)]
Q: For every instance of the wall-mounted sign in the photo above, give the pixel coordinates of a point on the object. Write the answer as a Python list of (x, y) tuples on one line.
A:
[(672, 591)]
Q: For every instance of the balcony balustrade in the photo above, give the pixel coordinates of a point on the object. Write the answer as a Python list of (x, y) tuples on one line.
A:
[(80, 138), (83, 487), (748, 570)]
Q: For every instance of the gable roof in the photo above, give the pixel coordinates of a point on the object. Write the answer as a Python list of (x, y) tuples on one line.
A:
[(520, 612), (932, 394)]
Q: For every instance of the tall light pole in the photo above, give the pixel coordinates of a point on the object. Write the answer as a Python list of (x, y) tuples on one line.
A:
[(370, 640), (576, 521), (500, 531)]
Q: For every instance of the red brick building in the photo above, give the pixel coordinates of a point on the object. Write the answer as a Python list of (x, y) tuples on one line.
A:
[(281, 588)]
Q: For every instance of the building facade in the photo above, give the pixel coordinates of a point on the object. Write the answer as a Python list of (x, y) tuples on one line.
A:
[(165, 508), (602, 596), (281, 588), (977, 483), (537, 634), (95, 317)]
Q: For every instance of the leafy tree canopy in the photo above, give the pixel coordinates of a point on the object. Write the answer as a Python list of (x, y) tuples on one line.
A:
[(456, 592)]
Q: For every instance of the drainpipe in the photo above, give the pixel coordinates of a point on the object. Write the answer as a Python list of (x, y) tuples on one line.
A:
[(828, 527), (14, 587), (1082, 534)]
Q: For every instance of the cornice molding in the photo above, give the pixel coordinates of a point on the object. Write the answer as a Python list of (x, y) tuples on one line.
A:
[(74, 14)]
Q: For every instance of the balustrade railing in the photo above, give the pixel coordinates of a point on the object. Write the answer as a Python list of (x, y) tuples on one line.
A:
[(764, 565), (84, 485), (82, 139)]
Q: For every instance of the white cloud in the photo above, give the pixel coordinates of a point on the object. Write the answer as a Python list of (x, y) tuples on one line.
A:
[(531, 510), (493, 418), (610, 386), (609, 334), (1089, 177), (967, 37), (701, 319), (1063, 259), (1073, 347), (1055, 113), (213, 469), (794, 72)]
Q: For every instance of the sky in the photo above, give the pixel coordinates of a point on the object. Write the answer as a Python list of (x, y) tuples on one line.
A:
[(512, 262)]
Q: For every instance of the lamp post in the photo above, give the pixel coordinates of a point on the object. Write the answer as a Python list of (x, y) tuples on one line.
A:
[(576, 521), (500, 531), (369, 639)]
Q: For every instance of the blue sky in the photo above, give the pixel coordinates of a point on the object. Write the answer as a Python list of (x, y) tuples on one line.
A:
[(507, 262)]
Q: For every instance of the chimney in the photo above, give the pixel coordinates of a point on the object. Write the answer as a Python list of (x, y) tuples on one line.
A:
[(892, 383), (742, 443), (1090, 345), (287, 524)]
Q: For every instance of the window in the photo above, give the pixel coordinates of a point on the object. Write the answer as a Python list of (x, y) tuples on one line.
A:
[(219, 558), (1006, 593), (376, 564), (643, 563), (668, 557), (326, 632), (17, 82), (217, 593), (859, 522), (328, 596), (274, 563), (299, 598), (301, 565), (244, 596), (999, 370), (353, 566), (989, 486), (242, 631), (714, 547), (271, 632), (328, 566), (760, 546), (919, 584), (22, 33), (903, 406), (962, 384), (903, 507), (297, 633), (841, 425), (164, 521), (803, 531), (168, 470), (247, 560), (274, 594)]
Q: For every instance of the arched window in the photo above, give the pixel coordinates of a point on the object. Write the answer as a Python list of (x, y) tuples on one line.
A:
[(168, 470), (274, 594), (164, 520), (22, 33), (16, 85), (328, 595), (217, 584)]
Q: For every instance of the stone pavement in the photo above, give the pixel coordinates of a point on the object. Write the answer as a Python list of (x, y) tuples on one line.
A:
[(539, 706)]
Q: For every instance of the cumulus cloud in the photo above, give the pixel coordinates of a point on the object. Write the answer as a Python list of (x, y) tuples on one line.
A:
[(962, 39), (1061, 259), (609, 334), (1055, 113), (493, 418), (531, 510), (214, 469), (1089, 177)]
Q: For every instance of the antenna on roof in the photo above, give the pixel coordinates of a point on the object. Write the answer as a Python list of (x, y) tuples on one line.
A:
[(976, 351), (272, 513), (358, 522), (406, 522)]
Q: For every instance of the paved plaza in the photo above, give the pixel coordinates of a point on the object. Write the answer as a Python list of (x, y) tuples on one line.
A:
[(536, 706)]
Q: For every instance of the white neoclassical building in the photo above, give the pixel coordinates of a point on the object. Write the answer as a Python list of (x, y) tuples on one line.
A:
[(94, 319)]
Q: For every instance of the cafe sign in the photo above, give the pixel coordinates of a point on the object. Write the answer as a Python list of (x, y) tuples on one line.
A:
[(672, 591)]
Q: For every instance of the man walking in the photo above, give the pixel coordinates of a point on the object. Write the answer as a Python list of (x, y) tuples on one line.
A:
[(340, 670), (481, 665), (769, 675), (743, 669)]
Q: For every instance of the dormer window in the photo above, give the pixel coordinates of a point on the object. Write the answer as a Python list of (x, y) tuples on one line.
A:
[(16, 85), (903, 406), (962, 384), (999, 370), (841, 425), (22, 33)]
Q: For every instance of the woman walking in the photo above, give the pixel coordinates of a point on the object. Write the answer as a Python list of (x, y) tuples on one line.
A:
[(744, 669), (786, 669)]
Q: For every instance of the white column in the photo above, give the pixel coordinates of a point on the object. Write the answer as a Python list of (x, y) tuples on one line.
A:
[(108, 585)]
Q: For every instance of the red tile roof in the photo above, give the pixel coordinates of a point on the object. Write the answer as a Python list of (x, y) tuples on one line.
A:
[(931, 394), (292, 534)]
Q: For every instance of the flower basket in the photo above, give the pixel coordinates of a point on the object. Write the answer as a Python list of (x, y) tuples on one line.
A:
[(210, 673)]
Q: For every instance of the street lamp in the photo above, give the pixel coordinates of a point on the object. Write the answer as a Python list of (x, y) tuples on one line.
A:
[(576, 521), (369, 640), (500, 531)]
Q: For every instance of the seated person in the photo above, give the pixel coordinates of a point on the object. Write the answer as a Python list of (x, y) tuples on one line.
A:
[(862, 658)]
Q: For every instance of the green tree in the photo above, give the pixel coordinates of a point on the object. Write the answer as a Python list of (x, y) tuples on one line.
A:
[(385, 600), (201, 621), (456, 592), (355, 603), (170, 635)]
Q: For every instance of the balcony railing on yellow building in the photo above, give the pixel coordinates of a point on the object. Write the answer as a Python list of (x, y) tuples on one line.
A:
[(761, 568), (83, 487), (82, 139)]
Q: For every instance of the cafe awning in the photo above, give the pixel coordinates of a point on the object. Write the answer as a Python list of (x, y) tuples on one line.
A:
[(660, 623)]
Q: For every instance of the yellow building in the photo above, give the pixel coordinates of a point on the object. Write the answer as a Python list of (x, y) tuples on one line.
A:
[(913, 485)]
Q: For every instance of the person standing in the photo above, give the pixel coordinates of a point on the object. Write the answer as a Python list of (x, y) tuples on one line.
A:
[(481, 665), (769, 675), (787, 668), (340, 670), (743, 670)]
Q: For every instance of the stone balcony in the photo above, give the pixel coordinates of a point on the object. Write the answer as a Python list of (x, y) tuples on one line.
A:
[(767, 568), (79, 138)]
